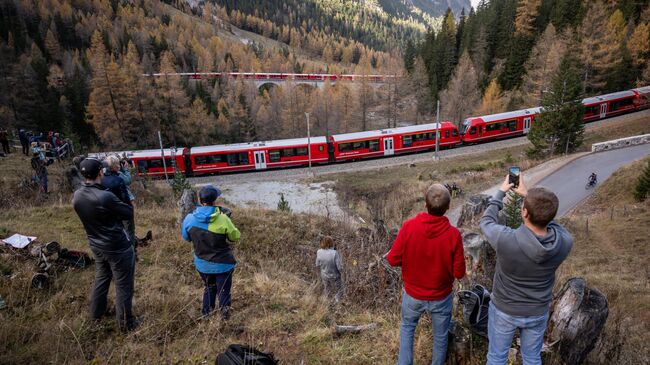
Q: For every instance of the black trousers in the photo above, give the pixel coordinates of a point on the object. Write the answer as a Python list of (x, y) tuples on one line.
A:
[(119, 267), (25, 147), (5, 147)]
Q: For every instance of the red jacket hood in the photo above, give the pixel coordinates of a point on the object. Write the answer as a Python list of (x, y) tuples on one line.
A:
[(434, 226)]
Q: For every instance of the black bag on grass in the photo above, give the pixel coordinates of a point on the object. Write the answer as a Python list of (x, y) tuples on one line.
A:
[(244, 355), (475, 304)]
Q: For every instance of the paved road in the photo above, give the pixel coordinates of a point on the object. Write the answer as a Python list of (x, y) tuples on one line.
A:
[(569, 181)]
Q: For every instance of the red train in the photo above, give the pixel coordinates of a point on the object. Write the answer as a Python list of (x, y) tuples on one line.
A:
[(369, 144), (517, 123)]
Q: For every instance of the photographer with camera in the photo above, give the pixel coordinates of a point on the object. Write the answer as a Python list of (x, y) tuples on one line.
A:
[(102, 214), (210, 229), (527, 259), (114, 181)]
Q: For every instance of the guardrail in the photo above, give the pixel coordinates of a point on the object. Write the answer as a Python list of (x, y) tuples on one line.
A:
[(620, 143)]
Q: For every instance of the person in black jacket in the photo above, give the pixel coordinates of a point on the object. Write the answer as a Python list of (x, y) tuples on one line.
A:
[(24, 141), (102, 213)]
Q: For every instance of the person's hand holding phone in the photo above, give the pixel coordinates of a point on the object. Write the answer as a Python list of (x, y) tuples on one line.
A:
[(506, 185), (521, 189)]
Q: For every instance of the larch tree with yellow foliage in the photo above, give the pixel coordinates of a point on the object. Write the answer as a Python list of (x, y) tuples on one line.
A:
[(493, 100)]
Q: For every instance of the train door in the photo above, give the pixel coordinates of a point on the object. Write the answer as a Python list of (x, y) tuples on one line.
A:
[(260, 160), (389, 149), (603, 110), (527, 121)]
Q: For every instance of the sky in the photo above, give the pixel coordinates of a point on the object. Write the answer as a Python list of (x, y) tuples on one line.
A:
[(475, 3)]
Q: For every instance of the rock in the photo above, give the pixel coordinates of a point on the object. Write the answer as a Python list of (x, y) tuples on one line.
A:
[(473, 210), (187, 203), (578, 317), (482, 256)]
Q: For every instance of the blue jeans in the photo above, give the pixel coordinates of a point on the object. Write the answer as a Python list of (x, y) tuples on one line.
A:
[(501, 329), (217, 284), (412, 309)]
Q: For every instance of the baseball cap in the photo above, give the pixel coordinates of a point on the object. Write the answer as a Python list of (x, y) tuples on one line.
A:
[(90, 168), (209, 194)]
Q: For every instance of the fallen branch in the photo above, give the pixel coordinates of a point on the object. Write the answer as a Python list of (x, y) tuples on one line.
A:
[(341, 330)]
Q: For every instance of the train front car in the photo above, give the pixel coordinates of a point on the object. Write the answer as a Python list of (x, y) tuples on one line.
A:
[(642, 98), (150, 162), (498, 126)]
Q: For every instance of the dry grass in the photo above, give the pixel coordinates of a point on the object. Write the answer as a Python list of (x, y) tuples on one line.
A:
[(612, 255)]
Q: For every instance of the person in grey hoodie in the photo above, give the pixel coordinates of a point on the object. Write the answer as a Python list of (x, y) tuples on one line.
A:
[(329, 262), (527, 259)]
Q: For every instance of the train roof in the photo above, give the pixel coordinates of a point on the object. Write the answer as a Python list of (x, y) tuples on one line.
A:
[(607, 97), (383, 132), (140, 153), (256, 145), (642, 90), (509, 115)]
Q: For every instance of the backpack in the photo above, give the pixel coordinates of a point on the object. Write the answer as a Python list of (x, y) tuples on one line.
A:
[(475, 304), (244, 355), (76, 259)]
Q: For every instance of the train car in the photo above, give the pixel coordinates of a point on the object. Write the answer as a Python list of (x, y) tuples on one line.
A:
[(609, 105), (642, 99), (150, 162), (497, 126), (257, 155), (386, 142)]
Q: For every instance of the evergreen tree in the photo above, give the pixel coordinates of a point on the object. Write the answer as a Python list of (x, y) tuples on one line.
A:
[(541, 65), (512, 209), (642, 188), (559, 127)]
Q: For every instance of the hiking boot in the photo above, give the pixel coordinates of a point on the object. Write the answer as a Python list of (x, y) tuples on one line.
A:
[(131, 324)]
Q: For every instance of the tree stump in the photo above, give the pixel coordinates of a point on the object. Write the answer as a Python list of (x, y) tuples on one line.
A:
[(482, 257), (472, 210), (187, 203), (578, 317)]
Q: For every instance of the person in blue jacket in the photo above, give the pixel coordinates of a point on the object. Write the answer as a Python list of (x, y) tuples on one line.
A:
[(210, 230)]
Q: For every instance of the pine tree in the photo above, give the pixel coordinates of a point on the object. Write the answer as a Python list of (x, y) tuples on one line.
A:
[(559, 127), (462, 96), (174, 103), (639, 44), (512, 209), (642, 188), (493, 101)]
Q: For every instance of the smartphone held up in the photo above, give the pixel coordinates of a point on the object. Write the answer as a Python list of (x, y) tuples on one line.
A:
[(513, 175)]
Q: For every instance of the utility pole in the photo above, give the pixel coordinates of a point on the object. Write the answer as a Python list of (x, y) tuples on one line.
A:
[(437, 130), (162, 154), (308, 144)]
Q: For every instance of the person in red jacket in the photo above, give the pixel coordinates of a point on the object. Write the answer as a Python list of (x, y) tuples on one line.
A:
[(430, 252)]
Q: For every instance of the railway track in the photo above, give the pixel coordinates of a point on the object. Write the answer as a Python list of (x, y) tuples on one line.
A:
[(378, 163)]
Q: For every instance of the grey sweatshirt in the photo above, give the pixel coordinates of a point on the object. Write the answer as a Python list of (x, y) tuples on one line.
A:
[(526, 263), (329, 262)]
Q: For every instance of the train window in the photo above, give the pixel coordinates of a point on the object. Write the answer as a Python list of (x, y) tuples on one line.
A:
[(472, 130), (407, 141), (201, 160), (419, 137), (302, 151), (232, 159), (158, 163), (274, 155), (343, 147), (359, 145), (321, 148), (288, 152), (243, 158), (432, 136), (592, 110), (454, 133), (373, 145), (142, 166), (512, 125), (447, 134), (620, 104)]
